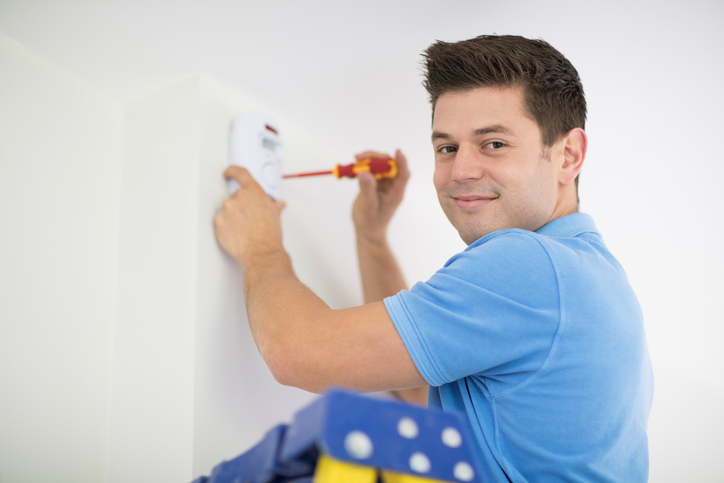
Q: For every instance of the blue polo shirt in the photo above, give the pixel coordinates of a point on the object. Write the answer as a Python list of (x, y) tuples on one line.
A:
[(538, 340)]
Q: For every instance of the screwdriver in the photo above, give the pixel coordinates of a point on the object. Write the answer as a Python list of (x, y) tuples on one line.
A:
[(379, 167)]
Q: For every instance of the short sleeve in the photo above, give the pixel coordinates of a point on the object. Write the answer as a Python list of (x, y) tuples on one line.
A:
[(492, 310)]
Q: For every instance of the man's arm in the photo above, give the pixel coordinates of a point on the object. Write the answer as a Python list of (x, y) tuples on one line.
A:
[(372, 212), (304, 342)]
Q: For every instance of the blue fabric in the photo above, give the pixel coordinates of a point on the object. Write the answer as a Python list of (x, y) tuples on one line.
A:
[(538, 339)]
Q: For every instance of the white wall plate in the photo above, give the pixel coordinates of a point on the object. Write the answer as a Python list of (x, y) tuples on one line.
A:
[(255, 144)]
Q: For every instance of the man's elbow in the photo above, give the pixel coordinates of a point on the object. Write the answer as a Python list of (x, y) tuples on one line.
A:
[(289, 368), (273, 356), (282, 374)]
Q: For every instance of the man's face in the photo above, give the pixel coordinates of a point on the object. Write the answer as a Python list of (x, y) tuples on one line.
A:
[(491, 171)]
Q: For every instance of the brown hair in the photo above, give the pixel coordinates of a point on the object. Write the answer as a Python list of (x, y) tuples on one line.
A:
[(553, 94)]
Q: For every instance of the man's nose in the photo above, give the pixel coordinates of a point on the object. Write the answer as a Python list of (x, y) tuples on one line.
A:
[(468, 165)]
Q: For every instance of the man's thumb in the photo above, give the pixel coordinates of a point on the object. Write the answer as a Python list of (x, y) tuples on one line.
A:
[(367, 184)]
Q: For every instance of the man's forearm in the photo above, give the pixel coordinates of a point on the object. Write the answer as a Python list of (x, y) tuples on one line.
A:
[(308, 345), (381, 278), (277, 304), (380, 273)]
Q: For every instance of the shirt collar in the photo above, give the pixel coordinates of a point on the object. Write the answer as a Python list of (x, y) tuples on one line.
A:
[(569, 226)]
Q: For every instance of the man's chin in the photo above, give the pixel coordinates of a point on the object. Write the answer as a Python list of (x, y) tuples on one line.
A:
[(470, 236)]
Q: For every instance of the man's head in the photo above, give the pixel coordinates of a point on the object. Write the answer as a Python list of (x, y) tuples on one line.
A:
[(508, 119), (553, 93)]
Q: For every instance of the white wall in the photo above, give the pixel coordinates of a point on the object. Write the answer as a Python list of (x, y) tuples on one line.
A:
[(60, 154), (652, 75), (189, 386), (236, 400), (152, 395), (126, 354)]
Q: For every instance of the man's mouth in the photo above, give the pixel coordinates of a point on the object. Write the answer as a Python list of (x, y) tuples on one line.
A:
[(473, 202)]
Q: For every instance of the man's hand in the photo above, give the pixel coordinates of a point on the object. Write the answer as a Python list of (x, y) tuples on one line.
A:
[(249, 222), (378, 200)]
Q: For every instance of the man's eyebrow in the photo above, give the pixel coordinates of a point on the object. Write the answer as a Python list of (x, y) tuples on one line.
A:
[(496, 128), (440, 135)]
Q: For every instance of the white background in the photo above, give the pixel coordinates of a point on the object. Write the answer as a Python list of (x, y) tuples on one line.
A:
[(346, 78)]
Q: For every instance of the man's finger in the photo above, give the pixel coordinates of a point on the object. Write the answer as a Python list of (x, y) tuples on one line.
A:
[(403, 169), (371, 154), (367, 184), (241, 176)]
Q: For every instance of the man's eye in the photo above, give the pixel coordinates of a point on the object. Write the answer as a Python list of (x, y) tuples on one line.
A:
[(496, 145), (447, 149)]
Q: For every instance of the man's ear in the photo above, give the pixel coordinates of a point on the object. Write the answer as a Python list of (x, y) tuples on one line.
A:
[(575, 144)]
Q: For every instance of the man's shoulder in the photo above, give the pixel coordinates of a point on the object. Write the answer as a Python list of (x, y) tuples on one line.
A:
[(561, 237), (505, 262), (512, 243), (522, 253)]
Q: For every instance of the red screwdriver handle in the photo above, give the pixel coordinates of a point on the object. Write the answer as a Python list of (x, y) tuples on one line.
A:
[(379, 167)]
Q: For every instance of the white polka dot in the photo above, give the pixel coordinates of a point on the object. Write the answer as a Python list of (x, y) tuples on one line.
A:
[(407, 427), (358, 445), (451, 437), (419, 463), (463, 471)]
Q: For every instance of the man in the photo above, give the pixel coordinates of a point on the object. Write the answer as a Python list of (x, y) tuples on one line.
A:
[(533, 332)]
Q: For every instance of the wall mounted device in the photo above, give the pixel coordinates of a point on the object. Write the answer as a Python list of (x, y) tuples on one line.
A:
[(255, 144)]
